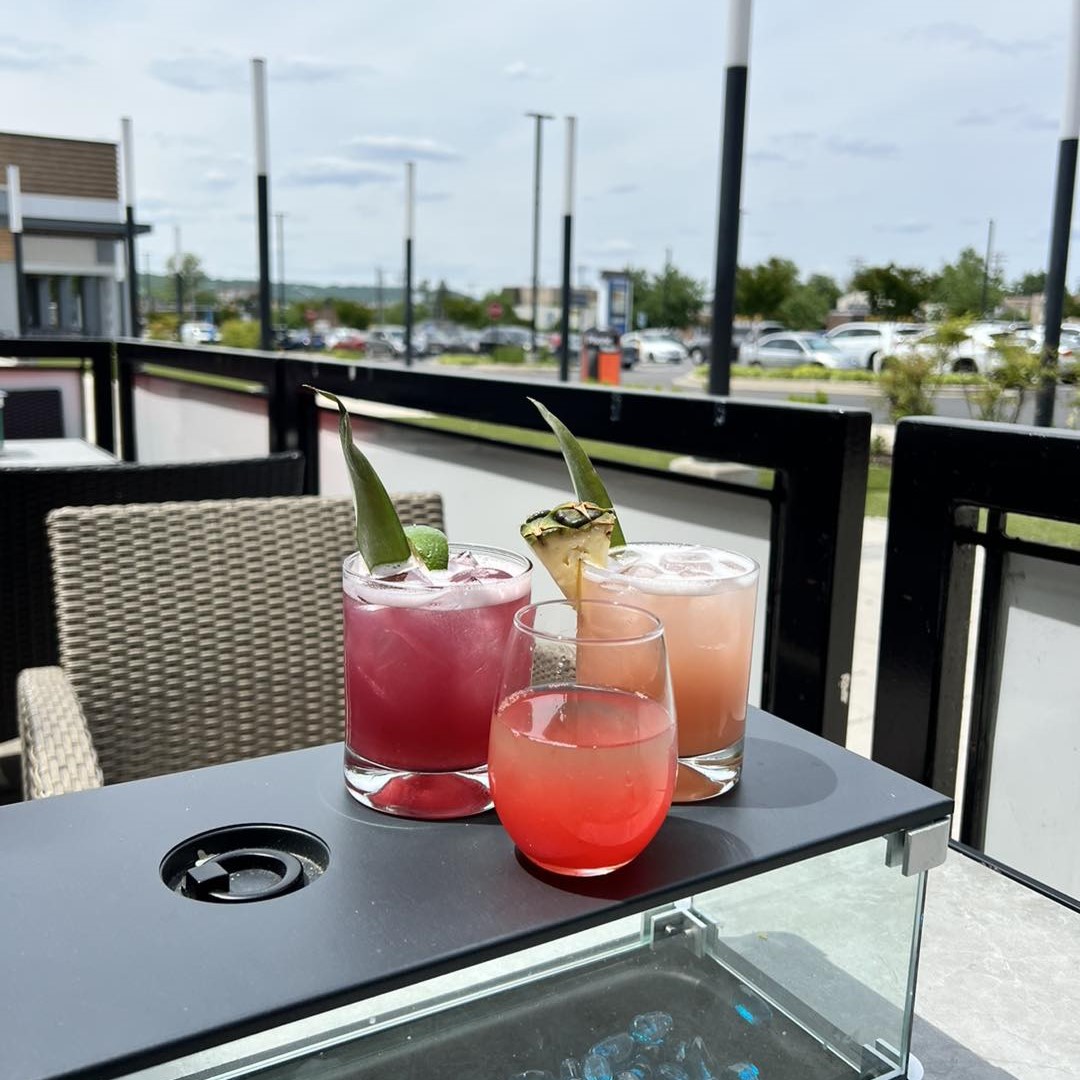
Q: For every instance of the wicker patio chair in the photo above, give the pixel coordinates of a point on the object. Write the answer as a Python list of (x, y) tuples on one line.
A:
[(190, 634), (27, 622)]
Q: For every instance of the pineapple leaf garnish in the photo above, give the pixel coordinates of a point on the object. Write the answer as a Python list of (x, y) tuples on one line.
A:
[(588, 487), (380, 539)]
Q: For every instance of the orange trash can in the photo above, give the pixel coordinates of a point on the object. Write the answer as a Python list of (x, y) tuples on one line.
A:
[(609, 367)]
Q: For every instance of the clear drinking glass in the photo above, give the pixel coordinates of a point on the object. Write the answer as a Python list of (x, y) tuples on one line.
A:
[(582, 756), (423, 659), (706, 598)]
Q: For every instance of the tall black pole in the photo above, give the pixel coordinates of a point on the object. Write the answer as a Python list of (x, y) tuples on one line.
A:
[(262, 187), (567, 237), (1059, 230), (128, 151), (985, 299), (731, 161), (279, 218), (15, 227), (538, 153), (178, 259), (410, 180)]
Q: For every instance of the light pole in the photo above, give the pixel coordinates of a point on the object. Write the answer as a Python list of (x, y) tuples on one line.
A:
[(1060, 229), (279, 219), (731, 160), (15, 227), (410, 190), (128, 150), (262, 189), (986, 269), (178, 259), (538, 153), (568, 229)]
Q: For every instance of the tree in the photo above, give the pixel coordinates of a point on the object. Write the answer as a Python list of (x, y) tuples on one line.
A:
[(808, 305), (894, 291), (190, 269), (959, 286), (463, 310), (1032, 283), (350, 313), (760, 291), (670, 298)]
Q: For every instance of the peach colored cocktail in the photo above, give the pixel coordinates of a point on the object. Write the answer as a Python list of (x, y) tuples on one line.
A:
[(706, 598)]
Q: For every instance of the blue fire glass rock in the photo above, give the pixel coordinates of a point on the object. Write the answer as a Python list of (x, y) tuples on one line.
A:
[(699, 1062), (670, 1071), (650, 1028), (744, 1070), (617, 1047), (596, 1067), (750, 1006)]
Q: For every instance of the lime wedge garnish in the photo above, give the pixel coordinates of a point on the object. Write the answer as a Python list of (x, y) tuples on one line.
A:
[(380, 538), (430, 545)]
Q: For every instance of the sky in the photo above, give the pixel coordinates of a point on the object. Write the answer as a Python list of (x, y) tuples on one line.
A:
[(876, 131)]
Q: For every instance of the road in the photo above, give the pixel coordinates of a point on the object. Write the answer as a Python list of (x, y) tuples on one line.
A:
[(950, 402)]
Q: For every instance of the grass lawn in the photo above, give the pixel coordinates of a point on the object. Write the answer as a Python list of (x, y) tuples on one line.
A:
[(201, 378)]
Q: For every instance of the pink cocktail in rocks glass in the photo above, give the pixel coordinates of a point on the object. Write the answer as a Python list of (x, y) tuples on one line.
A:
[(423, 657)]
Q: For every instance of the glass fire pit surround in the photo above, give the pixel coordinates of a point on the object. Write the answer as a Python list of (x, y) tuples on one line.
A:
[(771, 935)]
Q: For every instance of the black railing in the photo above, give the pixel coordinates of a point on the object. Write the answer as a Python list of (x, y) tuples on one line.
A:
[(819, 457), (945, 475)]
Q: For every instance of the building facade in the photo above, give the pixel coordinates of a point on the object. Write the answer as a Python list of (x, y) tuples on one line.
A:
[(73, 238)]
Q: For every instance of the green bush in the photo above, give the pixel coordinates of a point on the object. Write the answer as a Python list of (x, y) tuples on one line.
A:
[(508, 354), (1000, 395), (240, 334), (818, 397), (908, 383), (161, 327)]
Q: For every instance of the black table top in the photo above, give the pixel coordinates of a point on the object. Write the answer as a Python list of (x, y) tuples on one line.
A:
[(105, 970)]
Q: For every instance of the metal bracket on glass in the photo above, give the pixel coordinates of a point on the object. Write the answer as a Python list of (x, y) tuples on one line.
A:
[(677, 924), (918, 850)]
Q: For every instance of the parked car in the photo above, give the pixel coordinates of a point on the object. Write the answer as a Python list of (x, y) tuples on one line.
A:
[(975, 353), (385, 343), (347, 338), (795, 349), (869, 342), (655, 346), (495, 336), (199, 333), (699, 346)]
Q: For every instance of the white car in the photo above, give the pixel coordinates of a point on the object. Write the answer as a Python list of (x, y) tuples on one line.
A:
[(199, 333), (655, 346), (868, 342), (976, 353), (795, 349)]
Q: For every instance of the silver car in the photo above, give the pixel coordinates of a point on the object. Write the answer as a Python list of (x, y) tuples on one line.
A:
[(796, 349)]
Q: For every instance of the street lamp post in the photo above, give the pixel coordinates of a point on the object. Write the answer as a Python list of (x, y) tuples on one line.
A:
[(279, 219), (128, 150), (731, 160), (262, 188), (15, 227), (539, 118), (410, 190), (179, 267), (568, 228), (1060, 229)]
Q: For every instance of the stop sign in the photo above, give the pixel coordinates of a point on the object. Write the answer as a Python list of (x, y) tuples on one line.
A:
[(495, 310)]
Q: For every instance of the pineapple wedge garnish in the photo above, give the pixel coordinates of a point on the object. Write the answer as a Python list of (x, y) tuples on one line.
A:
[(566, 536)]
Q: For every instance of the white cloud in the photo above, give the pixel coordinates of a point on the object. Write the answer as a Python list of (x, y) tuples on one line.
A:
[(519, 70), (215, 70), (330, 171), (400, 148), (17, 54)]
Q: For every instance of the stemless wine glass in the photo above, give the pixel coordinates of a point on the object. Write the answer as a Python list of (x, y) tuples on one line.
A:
[(582, 757)]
